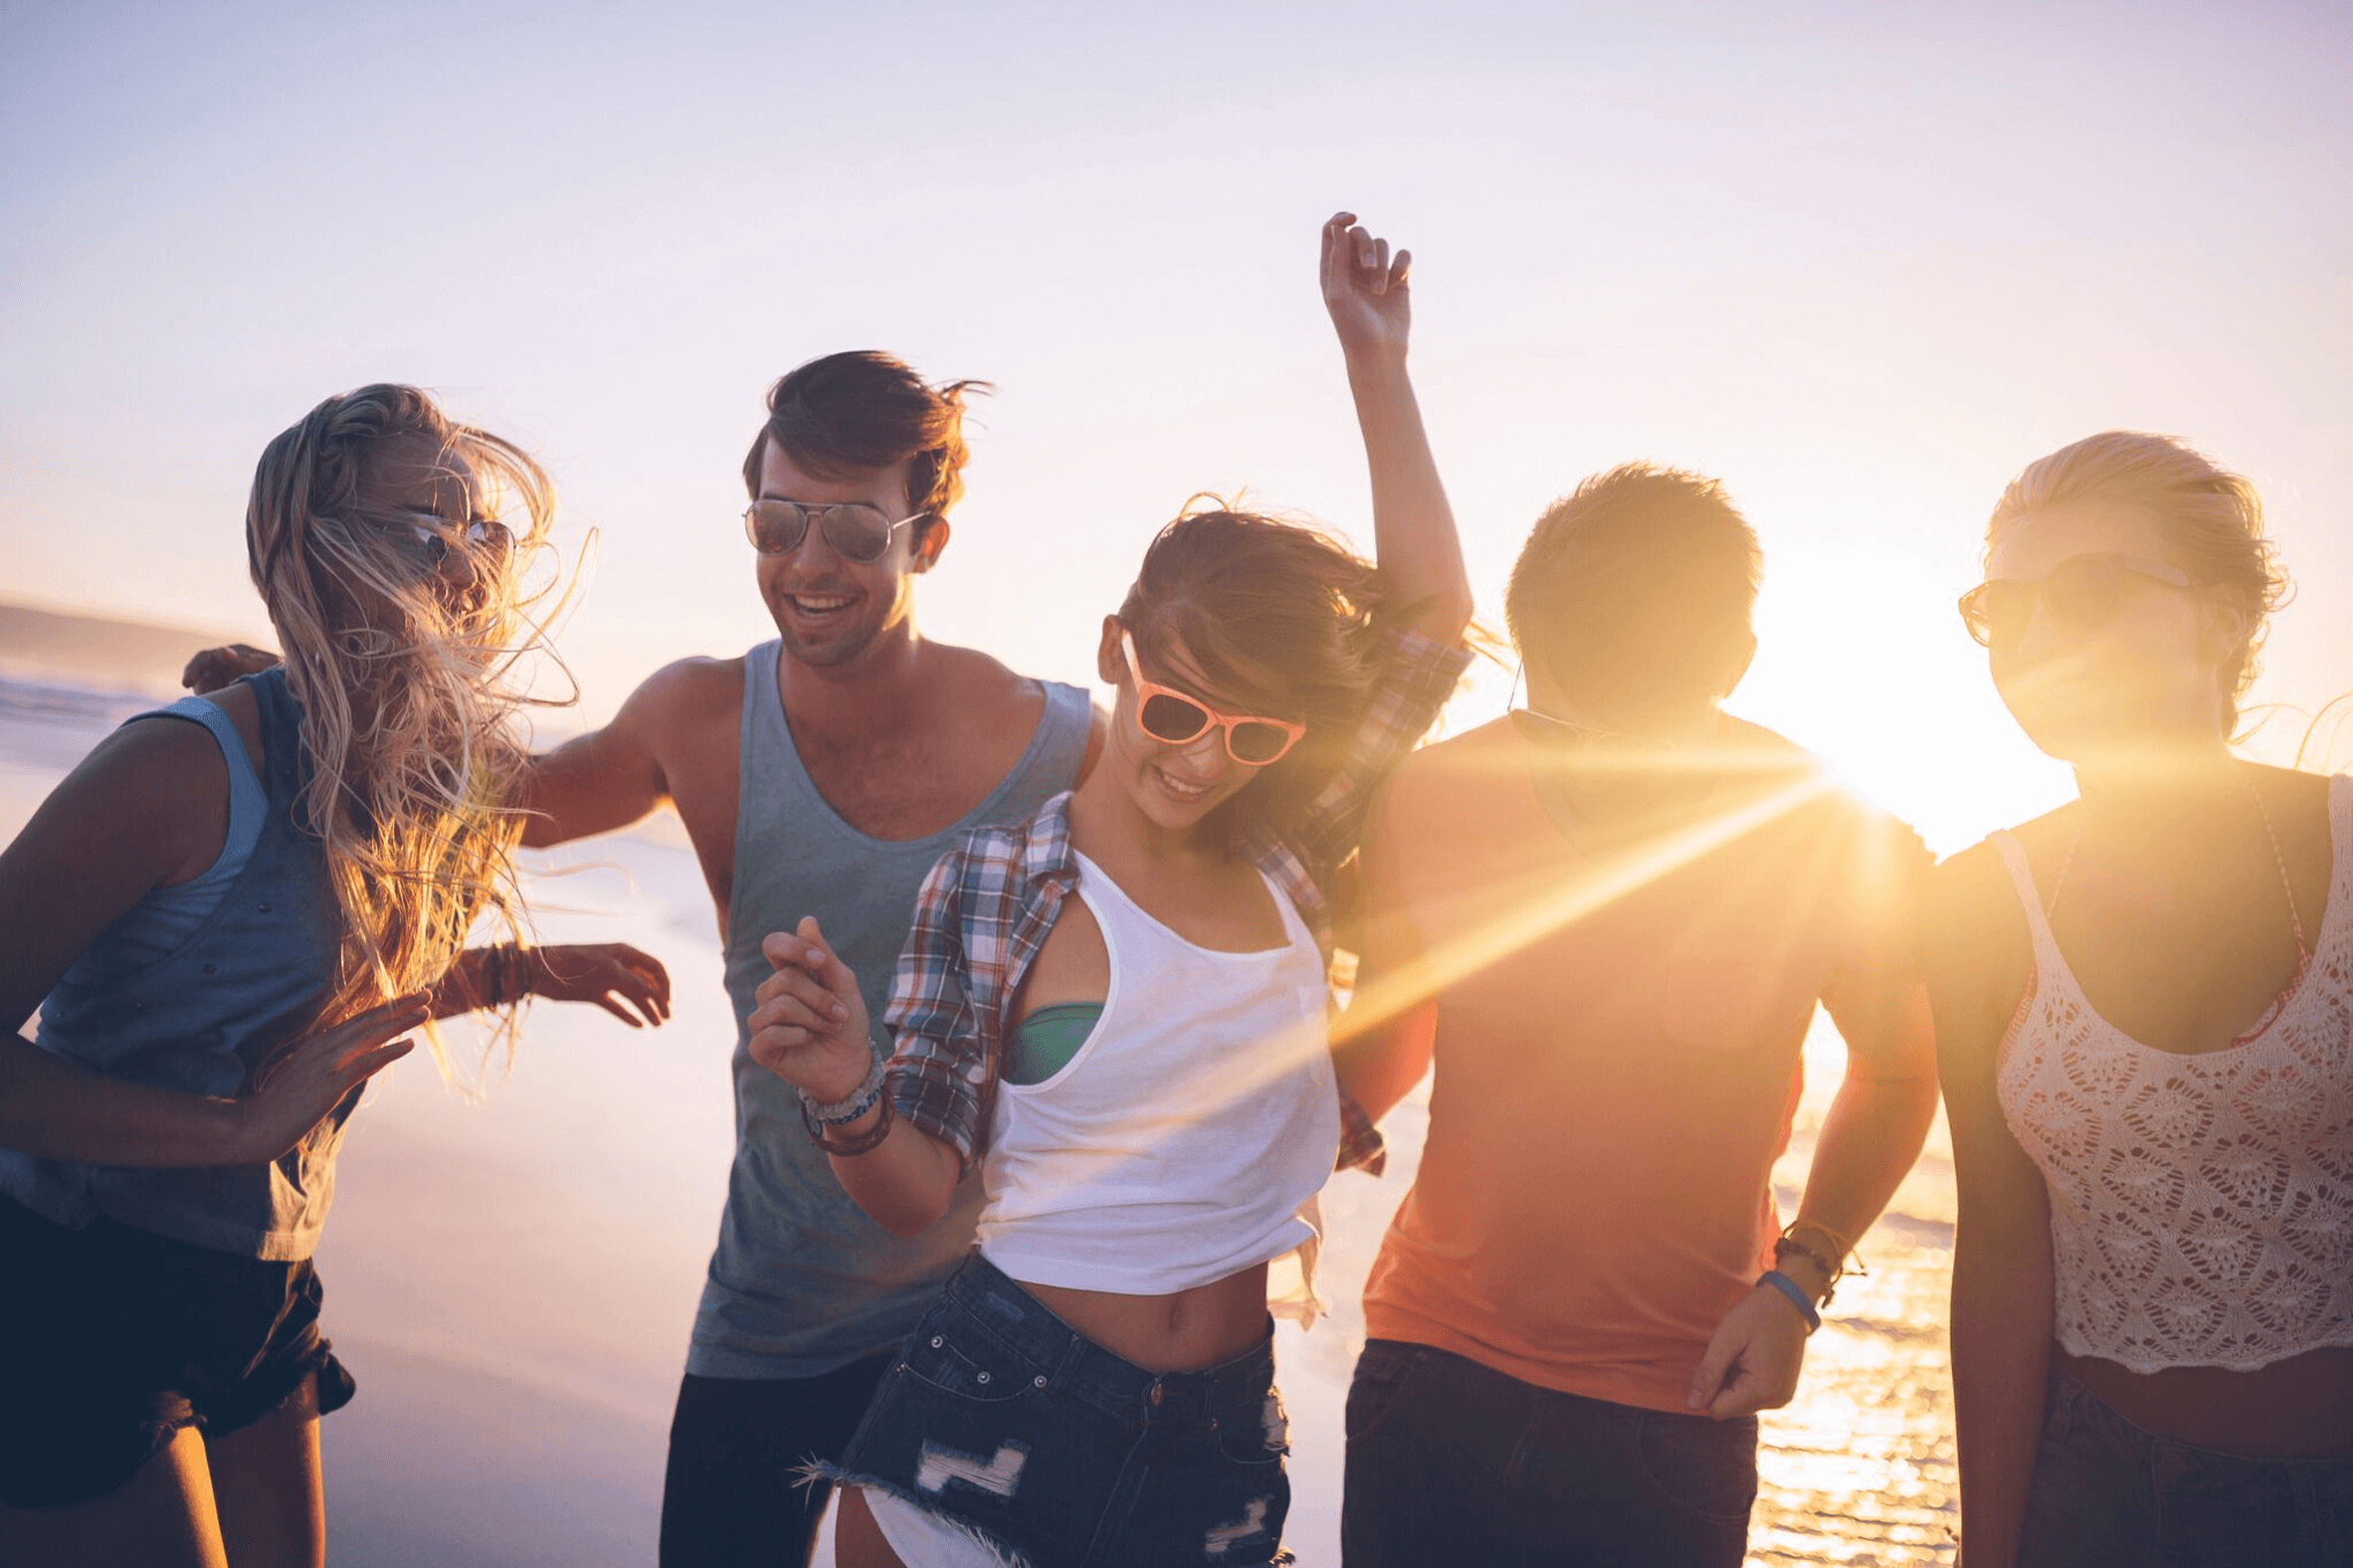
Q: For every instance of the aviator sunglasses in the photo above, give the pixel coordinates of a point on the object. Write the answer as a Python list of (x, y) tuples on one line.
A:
[(433, 536), (2079, 594), (1173, 718), (854, 530)]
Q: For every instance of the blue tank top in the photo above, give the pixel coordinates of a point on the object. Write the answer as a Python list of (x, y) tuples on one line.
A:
[(803, 1283), (197, 1016)]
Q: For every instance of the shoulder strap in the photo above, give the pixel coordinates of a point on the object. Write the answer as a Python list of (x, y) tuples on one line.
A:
[(2030, 899)]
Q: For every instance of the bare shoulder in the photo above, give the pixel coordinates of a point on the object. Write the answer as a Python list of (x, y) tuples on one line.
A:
[(685, 694), (1976, 950), (979, 677), (2294, 794)]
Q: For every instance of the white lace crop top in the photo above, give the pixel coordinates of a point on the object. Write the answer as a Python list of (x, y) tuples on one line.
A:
[(2201, 1206)]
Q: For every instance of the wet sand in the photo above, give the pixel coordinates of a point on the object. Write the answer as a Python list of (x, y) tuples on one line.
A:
[(512, 1280)]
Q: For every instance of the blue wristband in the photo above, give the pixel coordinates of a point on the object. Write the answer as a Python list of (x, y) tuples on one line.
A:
[(1796, 1293)]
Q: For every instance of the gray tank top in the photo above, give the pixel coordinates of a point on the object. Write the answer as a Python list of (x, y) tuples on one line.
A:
[(802, 1281)]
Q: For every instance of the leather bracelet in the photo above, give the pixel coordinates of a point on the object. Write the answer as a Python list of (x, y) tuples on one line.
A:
[(1796, 1293), (1830, 1273), (849, 1143)]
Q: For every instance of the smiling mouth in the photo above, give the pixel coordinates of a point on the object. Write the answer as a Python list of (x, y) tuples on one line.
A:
[(1189, 794), (817, 606)]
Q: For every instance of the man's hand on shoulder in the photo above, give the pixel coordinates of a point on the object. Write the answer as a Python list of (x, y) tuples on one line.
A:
[(215, 668)]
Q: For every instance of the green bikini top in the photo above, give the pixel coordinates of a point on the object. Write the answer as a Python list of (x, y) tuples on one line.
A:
[(1045, 1043)]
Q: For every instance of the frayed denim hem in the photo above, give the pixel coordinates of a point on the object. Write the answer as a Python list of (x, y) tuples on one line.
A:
[(1002, 1555)]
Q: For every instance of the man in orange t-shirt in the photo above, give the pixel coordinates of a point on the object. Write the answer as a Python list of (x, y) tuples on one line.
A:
[(1608, 919)]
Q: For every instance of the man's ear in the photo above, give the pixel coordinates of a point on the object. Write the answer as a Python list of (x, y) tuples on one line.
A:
[(1110, 665), (931, 537), (1738, 671), (2221, 629)]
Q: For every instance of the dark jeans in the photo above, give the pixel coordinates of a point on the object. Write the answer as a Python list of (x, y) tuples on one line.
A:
[(2109, 1494), (1005, 1420), (733, 1497), (1451, 1461)]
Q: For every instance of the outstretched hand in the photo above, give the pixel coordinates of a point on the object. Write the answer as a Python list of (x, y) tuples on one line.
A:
[(1753, 1358), (606, 973), (1364, 289), (808, 1022), (225, 666)]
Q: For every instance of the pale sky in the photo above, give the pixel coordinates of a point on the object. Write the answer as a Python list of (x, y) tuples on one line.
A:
[(1861, 262)]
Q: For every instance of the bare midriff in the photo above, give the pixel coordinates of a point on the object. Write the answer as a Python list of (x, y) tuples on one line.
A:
[(1187, 1331), (2297, 1409)]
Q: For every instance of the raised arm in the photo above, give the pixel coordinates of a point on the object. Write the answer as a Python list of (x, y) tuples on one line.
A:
[(2003, 1312), (1371, 304)]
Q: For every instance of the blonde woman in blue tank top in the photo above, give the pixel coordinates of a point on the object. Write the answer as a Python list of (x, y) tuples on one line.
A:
[(228, 923), (2144, 1006), (1116, 1012)]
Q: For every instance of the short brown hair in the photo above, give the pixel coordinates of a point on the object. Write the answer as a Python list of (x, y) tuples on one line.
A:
[(1636, 590), (865, 410)]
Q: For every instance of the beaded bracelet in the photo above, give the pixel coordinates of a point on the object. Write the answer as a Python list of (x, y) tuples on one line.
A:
[(855, 1104), (852, 1143)]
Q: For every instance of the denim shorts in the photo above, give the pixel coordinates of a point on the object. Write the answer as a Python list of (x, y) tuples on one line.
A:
[(113, 1338), (1008, 1423), (2106, 1493)]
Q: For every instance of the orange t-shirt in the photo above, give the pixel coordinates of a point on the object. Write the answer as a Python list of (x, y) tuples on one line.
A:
[(1616, 1058)]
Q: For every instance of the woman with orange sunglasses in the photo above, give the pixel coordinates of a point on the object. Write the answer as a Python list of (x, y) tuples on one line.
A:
[(1115, 1013)]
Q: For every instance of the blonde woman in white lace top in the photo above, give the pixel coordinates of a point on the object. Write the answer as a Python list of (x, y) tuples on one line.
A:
[(2144, 1006)]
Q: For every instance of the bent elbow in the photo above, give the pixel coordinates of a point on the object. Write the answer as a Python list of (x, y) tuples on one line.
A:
[(910, 1219)]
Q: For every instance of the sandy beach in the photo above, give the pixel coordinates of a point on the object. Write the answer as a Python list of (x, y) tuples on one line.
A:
[(512, 1280)]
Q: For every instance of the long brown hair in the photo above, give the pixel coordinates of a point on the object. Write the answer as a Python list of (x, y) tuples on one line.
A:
[(1272, 612), (407, 692)]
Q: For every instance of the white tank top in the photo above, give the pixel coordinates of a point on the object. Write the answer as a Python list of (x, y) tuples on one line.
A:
[(2201, 1206), (1181, 1142)]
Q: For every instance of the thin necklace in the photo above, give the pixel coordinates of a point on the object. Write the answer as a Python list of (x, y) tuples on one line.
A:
[(2296, 917)]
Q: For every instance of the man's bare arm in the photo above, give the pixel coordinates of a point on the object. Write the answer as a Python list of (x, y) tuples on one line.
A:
[(612, 777)]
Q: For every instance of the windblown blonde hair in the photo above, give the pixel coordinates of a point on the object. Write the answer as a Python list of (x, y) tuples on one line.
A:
[(408, 692), (2214, 517)]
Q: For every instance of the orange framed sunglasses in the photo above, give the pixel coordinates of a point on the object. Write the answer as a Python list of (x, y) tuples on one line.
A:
[(1173, 718)]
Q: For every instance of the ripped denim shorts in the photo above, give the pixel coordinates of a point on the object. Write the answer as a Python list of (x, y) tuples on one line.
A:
[(1003, 1420)]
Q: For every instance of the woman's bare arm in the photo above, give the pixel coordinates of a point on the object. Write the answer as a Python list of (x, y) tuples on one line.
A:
[(2003, 1289), (1415, 538)]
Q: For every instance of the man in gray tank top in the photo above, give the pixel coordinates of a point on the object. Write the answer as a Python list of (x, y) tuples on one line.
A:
[(819, 774)]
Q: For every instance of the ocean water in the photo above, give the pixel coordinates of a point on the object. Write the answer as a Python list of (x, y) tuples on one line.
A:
[(511, 1278)]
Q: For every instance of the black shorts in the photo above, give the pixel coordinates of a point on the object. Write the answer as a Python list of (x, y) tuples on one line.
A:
[(113, 1338)]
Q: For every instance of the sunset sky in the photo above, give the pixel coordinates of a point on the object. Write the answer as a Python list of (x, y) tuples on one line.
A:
[(1861, 262)]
